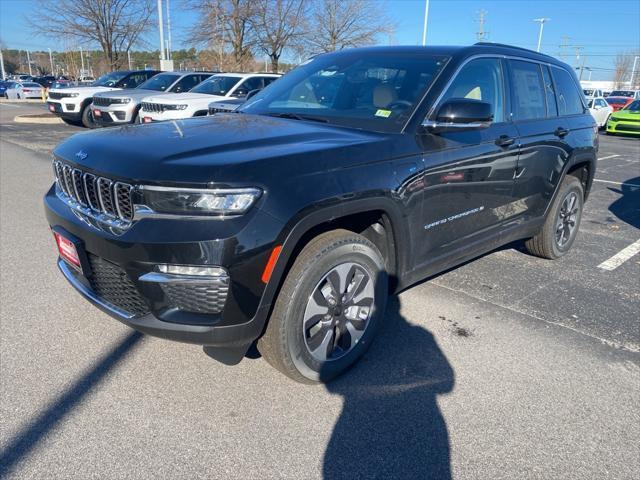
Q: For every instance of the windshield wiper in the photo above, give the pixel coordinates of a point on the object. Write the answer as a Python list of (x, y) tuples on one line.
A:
[(297, 116)]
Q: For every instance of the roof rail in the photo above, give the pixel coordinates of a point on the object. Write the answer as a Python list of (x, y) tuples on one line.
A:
[(492, 44)]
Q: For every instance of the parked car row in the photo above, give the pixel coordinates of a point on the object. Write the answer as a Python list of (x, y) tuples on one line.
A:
[(149, 96), (626, 120), (21, 90)]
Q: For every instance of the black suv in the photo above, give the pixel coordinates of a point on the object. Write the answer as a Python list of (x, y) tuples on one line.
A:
[(357, 174)]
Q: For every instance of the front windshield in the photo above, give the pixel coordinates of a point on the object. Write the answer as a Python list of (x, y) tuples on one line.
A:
[(372, 91), (621, 93), (633, 106), (109, 79), (216, 85), (160, 82), (588, 93)]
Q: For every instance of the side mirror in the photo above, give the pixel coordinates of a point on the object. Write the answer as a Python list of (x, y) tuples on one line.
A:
[(461, 113), (252, 93)]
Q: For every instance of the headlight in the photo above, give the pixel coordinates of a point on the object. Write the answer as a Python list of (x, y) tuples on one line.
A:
[(614, 119), (199, 201), (73, 94)]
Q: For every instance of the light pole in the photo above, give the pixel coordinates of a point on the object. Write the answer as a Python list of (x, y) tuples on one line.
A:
[(426, 18), (2, 65), (51, 61), (161, 28), (29, 62), (541, 21), (633, 72)]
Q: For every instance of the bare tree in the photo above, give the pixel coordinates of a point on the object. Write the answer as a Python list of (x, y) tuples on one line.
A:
[(622, 69), (340, 24), (115, 25), (279, 24), (226, 25)]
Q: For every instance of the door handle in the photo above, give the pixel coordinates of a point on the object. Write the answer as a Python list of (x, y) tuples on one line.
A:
[(561, 132), (505, 141)]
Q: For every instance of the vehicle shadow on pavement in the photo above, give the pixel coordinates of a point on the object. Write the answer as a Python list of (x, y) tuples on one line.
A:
[(627, 207), (28, 437), (391, 425)]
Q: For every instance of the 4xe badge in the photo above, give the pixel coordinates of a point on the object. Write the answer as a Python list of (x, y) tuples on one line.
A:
[(81, 155)]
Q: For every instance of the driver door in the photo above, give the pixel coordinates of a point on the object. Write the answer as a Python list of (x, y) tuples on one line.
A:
[(469, 173)]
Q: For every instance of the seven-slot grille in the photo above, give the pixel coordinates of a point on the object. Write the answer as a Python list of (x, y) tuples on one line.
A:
[(101, 195), (58, 95), (102, 101), (155, 107)]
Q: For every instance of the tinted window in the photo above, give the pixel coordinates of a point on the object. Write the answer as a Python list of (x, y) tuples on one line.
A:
[(135, 79), (528, 94), (622, 93), (269, 80), (569, 97), (550, 92), (160, 82), (480, 80), (186, 83), (217, 85), (248, 85), (633, 106), (109, 79)]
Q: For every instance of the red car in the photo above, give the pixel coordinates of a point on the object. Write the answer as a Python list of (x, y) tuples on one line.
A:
[(618, 103)]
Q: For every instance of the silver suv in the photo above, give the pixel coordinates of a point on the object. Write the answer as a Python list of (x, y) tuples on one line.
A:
[(118, 107)]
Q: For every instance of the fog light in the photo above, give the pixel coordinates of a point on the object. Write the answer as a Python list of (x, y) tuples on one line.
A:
[(193, 270)]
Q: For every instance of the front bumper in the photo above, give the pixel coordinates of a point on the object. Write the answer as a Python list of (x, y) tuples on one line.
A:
[(63, 111), (622, 126), (112, 115), (138, 298)]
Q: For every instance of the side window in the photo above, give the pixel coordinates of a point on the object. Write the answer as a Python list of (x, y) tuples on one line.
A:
[(552, 107), (186, 84), (269, 80), (601, 103), (132, 81), (528, 94), (480, 79), (248, 85), (569, 101)]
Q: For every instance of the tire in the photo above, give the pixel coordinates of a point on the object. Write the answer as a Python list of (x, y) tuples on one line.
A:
[(552, 241), (297, 351), (87, 117)]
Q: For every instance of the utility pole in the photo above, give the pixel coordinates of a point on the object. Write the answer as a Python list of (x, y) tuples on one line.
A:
[(584, 59), (129, 59), (563, 46), (633, 72), (4, 74), (161, 28), (426, 18), (51, 61), (541, 21), (29, 62), (481, 34), (577, 48), (81, 63), (169, 47)]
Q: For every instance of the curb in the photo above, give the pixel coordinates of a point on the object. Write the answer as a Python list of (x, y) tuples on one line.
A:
[(23, 100), (37, 118)]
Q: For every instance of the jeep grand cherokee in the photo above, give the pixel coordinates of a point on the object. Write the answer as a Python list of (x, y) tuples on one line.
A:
[(357, 174)]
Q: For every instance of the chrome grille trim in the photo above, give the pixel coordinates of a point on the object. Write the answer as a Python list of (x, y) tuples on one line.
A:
[(100, 198)]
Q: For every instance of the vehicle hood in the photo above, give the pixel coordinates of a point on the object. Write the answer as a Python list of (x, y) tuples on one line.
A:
[(87, 91), (628, 115), (179, 98), (226, 149), (135, 94)]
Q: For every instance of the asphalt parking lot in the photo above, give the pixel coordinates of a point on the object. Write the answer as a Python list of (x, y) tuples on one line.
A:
[(507, 367)]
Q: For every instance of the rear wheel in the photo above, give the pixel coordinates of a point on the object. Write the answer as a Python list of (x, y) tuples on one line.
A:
[(561, 225), (329, 308)]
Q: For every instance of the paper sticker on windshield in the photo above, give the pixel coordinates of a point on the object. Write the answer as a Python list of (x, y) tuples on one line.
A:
[(383, 113)]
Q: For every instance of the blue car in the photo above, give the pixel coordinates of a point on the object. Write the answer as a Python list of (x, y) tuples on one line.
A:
[(3, 88)]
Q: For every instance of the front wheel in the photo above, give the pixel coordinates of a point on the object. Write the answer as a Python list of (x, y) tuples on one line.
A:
[(87, 118), (561, 225), (329, 308)]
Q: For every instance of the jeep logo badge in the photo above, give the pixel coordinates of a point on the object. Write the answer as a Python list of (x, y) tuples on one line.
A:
[(81, 155)]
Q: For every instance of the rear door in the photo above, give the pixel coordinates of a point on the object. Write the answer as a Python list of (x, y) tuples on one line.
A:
[(468, 179), (543, 133)]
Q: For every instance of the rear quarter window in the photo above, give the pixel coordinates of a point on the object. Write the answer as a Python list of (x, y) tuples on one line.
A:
[(568, 94)]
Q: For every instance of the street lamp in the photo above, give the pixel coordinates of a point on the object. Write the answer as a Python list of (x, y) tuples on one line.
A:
[(424, 28), (541, 21)]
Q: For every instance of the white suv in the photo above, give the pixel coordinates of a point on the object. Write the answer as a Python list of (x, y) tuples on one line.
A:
[(195, 103), (72, 104)]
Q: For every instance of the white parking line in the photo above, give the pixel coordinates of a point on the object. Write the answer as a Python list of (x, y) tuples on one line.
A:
[(9, 105), (621, 257), (608, 156), (617, 183)]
